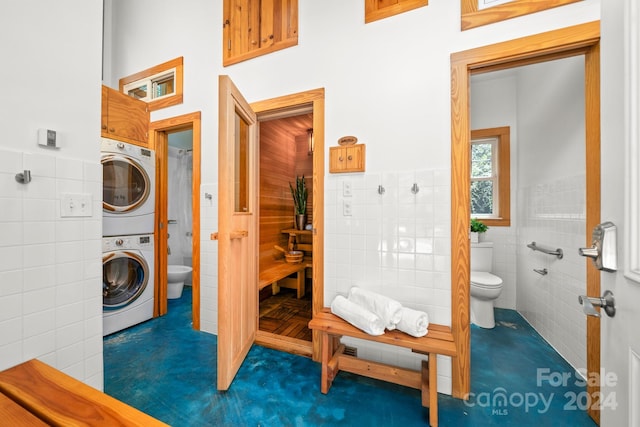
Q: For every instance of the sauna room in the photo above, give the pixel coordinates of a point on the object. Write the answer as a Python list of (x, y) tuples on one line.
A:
[(285, 245)]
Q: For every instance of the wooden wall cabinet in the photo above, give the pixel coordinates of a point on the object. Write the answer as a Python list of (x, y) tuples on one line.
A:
[(348, 158), (124, 118), (256, 27)]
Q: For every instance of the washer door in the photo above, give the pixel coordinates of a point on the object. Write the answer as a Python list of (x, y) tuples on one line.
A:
[(126, 184), (124, 277)]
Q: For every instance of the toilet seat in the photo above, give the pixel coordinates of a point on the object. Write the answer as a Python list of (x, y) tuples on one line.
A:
[(484, 279)]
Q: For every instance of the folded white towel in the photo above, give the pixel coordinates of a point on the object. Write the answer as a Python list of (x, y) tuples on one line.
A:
[(358, 316), (386, 308), (413, 322)]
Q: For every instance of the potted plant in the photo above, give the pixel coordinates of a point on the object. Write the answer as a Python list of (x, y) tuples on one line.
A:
[(299, 194), (477, 227)]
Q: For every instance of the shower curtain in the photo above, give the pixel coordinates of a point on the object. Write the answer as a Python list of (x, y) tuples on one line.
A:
[(184, 211)]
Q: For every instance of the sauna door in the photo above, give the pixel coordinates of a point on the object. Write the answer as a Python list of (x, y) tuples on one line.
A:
[(237, 233)]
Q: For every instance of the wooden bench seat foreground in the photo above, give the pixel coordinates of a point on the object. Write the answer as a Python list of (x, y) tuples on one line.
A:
[(277, 275), (438, 340), (56, 399)]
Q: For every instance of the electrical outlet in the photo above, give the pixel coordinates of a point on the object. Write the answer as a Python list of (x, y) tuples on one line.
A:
[(346, 207), (346, 189)]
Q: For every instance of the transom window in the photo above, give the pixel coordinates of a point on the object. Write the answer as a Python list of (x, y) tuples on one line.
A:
[(159, 86), (490, 176)]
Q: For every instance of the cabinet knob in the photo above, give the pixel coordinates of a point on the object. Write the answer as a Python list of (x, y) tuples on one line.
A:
[(340, 158), (112, 130), (350, 157), (104, 126)]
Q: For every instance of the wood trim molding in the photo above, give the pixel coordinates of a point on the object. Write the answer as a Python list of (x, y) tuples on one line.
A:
[(158, 131), (157, 104), (507, 54), (472, 17), (504, 166), (315, 100), (375, 9)]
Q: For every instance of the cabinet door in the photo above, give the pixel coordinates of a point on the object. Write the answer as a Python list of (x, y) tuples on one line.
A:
[(127, 118), (256, 27), (355, 158), (347, 159), (104, 112)]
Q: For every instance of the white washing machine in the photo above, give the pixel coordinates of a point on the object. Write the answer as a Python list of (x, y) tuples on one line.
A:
[(128, 192), (127, 281)]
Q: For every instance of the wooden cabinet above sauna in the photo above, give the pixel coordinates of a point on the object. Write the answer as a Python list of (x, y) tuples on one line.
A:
[(349, 158), (253, 27), (124, 118)]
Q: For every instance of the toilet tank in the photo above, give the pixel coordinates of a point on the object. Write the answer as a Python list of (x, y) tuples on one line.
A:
[(482, 256)]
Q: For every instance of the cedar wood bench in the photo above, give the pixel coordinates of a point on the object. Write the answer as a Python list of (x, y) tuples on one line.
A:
[(438, 340), (34, 394), (277, 275)]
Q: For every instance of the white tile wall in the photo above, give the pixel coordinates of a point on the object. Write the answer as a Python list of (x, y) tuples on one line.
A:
[(396, 244), (553, 215), (50, 267), (208, 259)]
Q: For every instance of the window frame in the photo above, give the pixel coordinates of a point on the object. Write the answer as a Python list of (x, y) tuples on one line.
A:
[(502, 135), (373, 12), (472, 17), (157, 71)]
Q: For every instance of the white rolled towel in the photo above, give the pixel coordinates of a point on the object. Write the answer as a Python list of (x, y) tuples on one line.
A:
[(358, 316), (386, 308), (413, 322)]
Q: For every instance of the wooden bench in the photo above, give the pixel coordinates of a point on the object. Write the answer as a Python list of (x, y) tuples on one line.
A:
[(43, 393), (277, 275), (438, 340)]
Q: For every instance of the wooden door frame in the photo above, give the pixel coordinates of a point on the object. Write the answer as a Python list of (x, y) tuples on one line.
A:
[(581, 39), (314, 99), (158, 132)]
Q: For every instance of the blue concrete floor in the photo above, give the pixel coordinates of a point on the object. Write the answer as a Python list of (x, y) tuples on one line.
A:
[(166, 369)]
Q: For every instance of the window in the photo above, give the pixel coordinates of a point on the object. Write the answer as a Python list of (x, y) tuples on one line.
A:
[(490, 176), (377, 9), (256, 27), (159, 86), (475, 13)]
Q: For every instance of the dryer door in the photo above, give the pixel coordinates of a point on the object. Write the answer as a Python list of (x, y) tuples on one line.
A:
[(126, 185), (124, 277)]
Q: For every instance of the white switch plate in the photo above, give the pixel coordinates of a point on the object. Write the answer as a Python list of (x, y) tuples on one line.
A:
[(346, 189), (346, 207), (75, 205)]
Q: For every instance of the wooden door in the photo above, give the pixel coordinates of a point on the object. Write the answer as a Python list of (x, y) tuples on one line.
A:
[(237, 232)]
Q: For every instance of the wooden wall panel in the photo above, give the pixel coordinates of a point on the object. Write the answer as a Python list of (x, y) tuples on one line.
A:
[(283, 155)]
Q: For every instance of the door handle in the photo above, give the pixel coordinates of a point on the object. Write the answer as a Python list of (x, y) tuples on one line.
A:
[(239, 234), (607, 301)]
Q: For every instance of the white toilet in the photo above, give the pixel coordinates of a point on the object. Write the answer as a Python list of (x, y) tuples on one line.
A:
[(176, 275), (485, 287)]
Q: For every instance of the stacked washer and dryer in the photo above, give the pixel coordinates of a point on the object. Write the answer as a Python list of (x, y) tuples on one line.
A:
[(128, 220)]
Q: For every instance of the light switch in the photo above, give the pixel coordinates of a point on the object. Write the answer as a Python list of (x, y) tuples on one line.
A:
[(75, 205), (346, 189), (346, 208)]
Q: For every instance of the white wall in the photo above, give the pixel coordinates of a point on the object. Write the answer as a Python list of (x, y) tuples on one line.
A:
[(50, 267), (386, 82)]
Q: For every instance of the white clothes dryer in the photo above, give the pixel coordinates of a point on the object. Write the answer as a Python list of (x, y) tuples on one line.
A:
[(128, 192), (127, 281)]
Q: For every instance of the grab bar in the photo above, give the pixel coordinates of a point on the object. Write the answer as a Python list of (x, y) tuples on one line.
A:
[(557, 252)]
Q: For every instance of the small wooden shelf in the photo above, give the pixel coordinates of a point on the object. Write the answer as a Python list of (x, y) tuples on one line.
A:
[(300, 239), (297, 232)]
